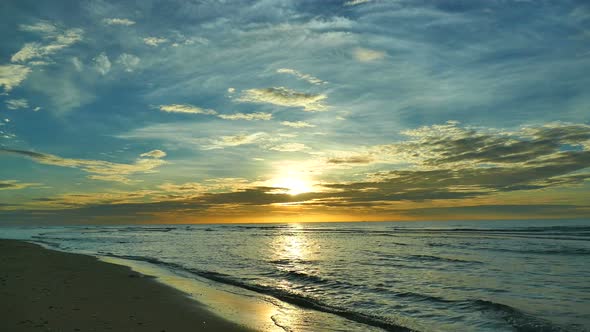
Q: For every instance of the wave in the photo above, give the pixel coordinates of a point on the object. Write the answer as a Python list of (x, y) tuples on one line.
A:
[(532, 229), (262, 227), (288, 261), (442, 259), (66, 240), (519, 320), (561, 251), (423, 297), (146, 229), (564, 250), (302, 276), (283, 295)]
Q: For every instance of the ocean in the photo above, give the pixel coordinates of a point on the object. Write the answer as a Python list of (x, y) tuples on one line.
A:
[(528, 275)]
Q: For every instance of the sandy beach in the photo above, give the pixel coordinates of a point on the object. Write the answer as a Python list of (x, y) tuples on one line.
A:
[(45, 290)]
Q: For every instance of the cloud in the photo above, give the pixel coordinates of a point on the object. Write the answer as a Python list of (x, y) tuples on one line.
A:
[(77, 64), (128, 61), (118, 21), (188, 187), (65, 89), (55, 38), (261, 139), (555, 156), (450, 144), (248, 117), (355, 2), (99, 170), (154, 41), (190, 190), (154, 154), (299, 75), (453, 162), (185, 108), (102, 63), (42, 27), (76, 200), (289, 147), (443, 184), (368, 55), (111, 178), (297, 124), (29, 51), (40, 63), (361, 159), (282, 96), (235, 140), (15, 104), (12, 76), (15, 185)]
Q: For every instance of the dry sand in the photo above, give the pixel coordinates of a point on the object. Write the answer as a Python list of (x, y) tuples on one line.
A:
[(45, 290)]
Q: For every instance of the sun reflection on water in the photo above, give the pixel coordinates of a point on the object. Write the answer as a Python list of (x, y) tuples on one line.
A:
[(291, 245), (291, 250)]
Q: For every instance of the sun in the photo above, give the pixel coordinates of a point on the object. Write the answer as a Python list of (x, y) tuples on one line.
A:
[(293, 184)]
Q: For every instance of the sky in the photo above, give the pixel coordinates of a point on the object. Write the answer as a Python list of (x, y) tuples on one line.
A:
[(118, 112)]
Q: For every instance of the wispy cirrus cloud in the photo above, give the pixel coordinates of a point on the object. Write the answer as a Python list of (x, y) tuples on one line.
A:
[(208, 186), (186, 108), (15, 185), (55, 39), (154, 154), (368, 55), (184, 188), (306, 77), (118, 21), (246, 116), (76, 200), (357, 159), (14, 104), (297, 124), (289, 147), (355, 2), (154, 41), (236, 140), (12, 76), (282, 96), (98, 169), (191, 109)]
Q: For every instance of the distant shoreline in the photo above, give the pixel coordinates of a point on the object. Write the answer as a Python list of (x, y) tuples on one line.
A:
[(57, 291)]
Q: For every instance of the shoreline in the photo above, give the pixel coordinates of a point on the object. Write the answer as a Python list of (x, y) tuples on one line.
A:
[(48, 290)]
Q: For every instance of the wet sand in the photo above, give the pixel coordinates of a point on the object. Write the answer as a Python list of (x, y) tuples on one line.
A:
[(45, 290)]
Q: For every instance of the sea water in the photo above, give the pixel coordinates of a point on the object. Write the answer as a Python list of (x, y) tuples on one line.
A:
[(426, 276)]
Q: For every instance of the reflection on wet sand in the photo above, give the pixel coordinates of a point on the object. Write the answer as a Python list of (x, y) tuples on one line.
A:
[(250, 310)]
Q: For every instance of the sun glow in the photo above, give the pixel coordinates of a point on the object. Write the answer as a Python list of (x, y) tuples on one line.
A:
[(294, 185), (292, 181)]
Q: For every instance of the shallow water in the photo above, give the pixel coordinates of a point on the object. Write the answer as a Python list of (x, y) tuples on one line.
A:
[(438, 276)]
